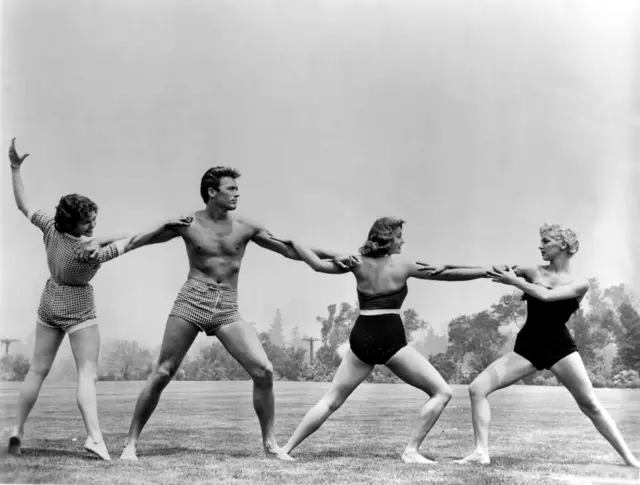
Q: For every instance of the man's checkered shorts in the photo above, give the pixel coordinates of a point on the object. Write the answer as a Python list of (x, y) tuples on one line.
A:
[(206, 305)]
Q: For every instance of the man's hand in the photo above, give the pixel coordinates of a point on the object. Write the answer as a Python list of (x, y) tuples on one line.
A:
[(181, 222), (15, 159), (87, 251), (346, 262)]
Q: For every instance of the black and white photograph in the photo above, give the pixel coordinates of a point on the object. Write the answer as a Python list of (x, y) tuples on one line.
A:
[(320, 242)]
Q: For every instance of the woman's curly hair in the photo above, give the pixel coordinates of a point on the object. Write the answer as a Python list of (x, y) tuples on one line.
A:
[(564, 234), (72, 209), (381, 237)]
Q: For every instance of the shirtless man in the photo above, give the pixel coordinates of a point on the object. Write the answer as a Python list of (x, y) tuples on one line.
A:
[(216, 242)]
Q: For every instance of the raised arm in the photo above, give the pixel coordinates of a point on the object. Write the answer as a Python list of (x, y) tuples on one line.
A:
[(508, 276), (16, 178)]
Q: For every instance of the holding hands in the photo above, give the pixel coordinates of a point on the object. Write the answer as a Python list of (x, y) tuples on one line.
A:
[(346, 262), (90, 250), (342, 262), (506, 275)]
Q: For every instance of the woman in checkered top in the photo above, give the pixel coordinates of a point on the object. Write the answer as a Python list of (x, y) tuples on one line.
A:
[(67, 305)]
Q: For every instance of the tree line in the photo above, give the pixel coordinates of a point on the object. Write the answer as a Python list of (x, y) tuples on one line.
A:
[(606, 329)]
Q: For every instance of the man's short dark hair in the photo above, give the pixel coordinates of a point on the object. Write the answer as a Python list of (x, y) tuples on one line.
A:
[(211, 179)]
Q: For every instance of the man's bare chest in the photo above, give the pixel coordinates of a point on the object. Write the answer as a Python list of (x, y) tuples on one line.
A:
[(217, 241)]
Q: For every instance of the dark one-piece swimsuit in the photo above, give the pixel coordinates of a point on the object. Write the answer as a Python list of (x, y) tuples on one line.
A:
[(545, 339), (375, 339)]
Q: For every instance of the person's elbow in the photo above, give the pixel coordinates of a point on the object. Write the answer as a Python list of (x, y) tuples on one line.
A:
[(546, 297), (24, 209), (133, 243)]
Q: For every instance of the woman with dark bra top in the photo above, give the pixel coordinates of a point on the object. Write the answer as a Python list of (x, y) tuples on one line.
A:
[(544, 342), (378, 335)]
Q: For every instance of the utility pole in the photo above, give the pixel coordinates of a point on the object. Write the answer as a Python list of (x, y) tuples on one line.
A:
[(7, 342), (310, 340)]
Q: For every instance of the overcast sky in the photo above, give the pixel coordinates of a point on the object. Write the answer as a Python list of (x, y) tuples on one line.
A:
[(473, 121)]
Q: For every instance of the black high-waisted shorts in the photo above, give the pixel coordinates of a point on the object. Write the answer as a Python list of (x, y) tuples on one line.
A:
[(375, 339)]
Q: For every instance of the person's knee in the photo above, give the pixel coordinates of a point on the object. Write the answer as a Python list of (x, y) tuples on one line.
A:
[(88, 372), (40, 369), (445, 393), (589, 405), (333, 401), (262, 374), (164, 372), (477, 390)]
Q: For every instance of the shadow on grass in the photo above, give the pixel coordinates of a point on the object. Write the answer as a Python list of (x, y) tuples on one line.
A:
[(357, 453), (537, 461), (49, 452), (169, 451)]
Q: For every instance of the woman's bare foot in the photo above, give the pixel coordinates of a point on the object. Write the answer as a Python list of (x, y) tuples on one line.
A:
[(476, 457), (272, 450), (98, 449), (414, 456)]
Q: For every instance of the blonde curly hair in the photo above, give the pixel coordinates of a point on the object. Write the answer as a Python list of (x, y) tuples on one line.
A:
[(557, 231)]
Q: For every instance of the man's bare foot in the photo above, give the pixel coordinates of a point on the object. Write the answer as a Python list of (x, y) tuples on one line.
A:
[(129, 453), (475, 457), (15, 444), (98, 449), (414, 456)]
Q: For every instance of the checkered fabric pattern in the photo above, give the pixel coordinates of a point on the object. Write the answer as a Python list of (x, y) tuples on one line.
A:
[(67, 298), (206, 305)]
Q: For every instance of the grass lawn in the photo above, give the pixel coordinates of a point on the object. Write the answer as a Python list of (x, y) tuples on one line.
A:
[(207, 432)]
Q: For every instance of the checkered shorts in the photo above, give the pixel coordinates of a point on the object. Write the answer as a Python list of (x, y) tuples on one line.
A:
[(206, 305), (63, 305)]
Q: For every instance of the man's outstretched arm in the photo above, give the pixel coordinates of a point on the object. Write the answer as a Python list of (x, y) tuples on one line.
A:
[(264, 239)]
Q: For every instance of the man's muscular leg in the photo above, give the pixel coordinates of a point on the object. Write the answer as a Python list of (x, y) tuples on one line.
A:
[(241, 341), (178, 337)]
